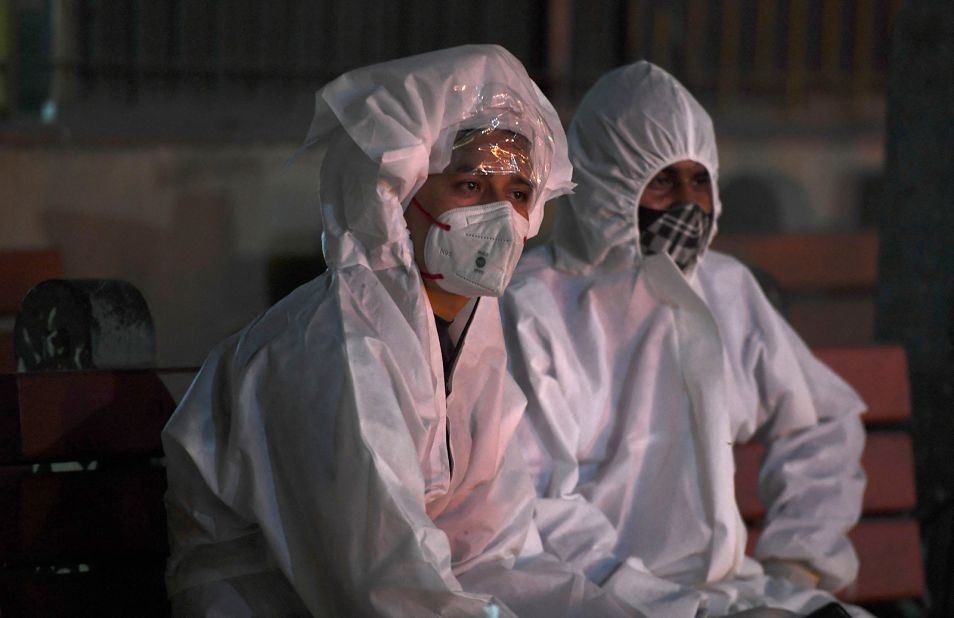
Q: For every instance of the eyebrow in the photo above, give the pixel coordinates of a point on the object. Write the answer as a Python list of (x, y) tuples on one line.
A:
[(524, 181), (671, 169), (469, 170)]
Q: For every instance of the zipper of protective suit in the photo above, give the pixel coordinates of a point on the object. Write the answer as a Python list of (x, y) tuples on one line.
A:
[(450, 353)]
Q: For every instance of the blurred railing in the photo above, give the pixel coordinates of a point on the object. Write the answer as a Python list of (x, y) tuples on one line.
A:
[(781, 50), (141, 53)]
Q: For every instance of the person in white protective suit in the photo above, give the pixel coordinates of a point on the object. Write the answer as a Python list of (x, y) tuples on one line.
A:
[(645, 358), (350, 451)]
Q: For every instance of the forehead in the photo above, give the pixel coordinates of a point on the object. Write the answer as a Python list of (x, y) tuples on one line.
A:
[(491, 152), (685, 167)]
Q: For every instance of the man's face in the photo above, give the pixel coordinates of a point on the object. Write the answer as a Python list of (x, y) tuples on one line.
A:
[(682, 182), (488, 167)]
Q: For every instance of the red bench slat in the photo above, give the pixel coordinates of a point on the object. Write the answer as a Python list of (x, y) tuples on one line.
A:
[(888, 548), (879, 374), (801, 262), (890, 561), (106, 527), (887, 459), (82, 516), (76, 415), (20, 271), (748, 459), (833, 321), (890, 557)]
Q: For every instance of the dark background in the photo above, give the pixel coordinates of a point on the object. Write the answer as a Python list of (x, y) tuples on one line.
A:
[(150, 140)]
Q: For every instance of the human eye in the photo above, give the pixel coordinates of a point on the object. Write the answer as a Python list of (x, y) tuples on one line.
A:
[(702, 179), (521, 193), (469, 185), (661, 182)]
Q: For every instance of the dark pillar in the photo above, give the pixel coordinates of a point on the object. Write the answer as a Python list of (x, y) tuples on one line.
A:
[(916, 283)]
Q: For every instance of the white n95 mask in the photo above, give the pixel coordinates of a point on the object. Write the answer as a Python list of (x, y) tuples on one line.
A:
[(473, 250)]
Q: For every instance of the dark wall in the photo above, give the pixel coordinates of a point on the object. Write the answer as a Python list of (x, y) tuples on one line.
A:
[(916, 291)]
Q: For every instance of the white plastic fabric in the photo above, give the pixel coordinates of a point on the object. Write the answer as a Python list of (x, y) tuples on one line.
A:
[(308, 464), (641, 379), (506, 153)]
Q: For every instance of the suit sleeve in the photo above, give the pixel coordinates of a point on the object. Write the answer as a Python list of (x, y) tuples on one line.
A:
[(811, 479)]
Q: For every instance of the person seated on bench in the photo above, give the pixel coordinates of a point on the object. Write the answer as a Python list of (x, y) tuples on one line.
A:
[(350, 451), (645, 358)]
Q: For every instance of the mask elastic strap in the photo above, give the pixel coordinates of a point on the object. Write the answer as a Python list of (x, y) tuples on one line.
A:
[(430, 217), (439, 224)]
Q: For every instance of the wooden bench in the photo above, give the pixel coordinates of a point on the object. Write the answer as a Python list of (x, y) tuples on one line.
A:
[(20, 271), (887, 539), (82, 527), (827, 281)]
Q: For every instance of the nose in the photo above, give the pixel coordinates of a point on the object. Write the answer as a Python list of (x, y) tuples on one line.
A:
[(501, 194), (684, 194), (496, 193), (522, 208)]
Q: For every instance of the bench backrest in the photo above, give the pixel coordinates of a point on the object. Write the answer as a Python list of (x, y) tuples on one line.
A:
[(94, 533), (82, 484), (826, 280), (887, 539)]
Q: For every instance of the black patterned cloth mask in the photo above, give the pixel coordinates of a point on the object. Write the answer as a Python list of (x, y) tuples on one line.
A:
[(681, 231)]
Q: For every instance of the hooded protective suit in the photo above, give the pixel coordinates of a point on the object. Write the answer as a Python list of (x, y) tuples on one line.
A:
[(316, 463), (641, 378)]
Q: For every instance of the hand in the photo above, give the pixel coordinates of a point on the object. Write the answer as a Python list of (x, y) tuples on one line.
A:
[(795, 572)]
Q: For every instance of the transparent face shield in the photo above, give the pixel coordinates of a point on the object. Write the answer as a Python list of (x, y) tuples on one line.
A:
[(501, 135), (491, 151)]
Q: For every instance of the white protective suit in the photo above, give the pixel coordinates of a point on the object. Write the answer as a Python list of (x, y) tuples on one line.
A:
[(640, 379), (308, 463)]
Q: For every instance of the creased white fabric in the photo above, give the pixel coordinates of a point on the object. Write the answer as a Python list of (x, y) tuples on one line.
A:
[(641, 379), (308, 463)]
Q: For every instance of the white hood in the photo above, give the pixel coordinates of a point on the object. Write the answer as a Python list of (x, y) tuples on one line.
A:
[(640, 380), (635, 121), (403, 115)]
